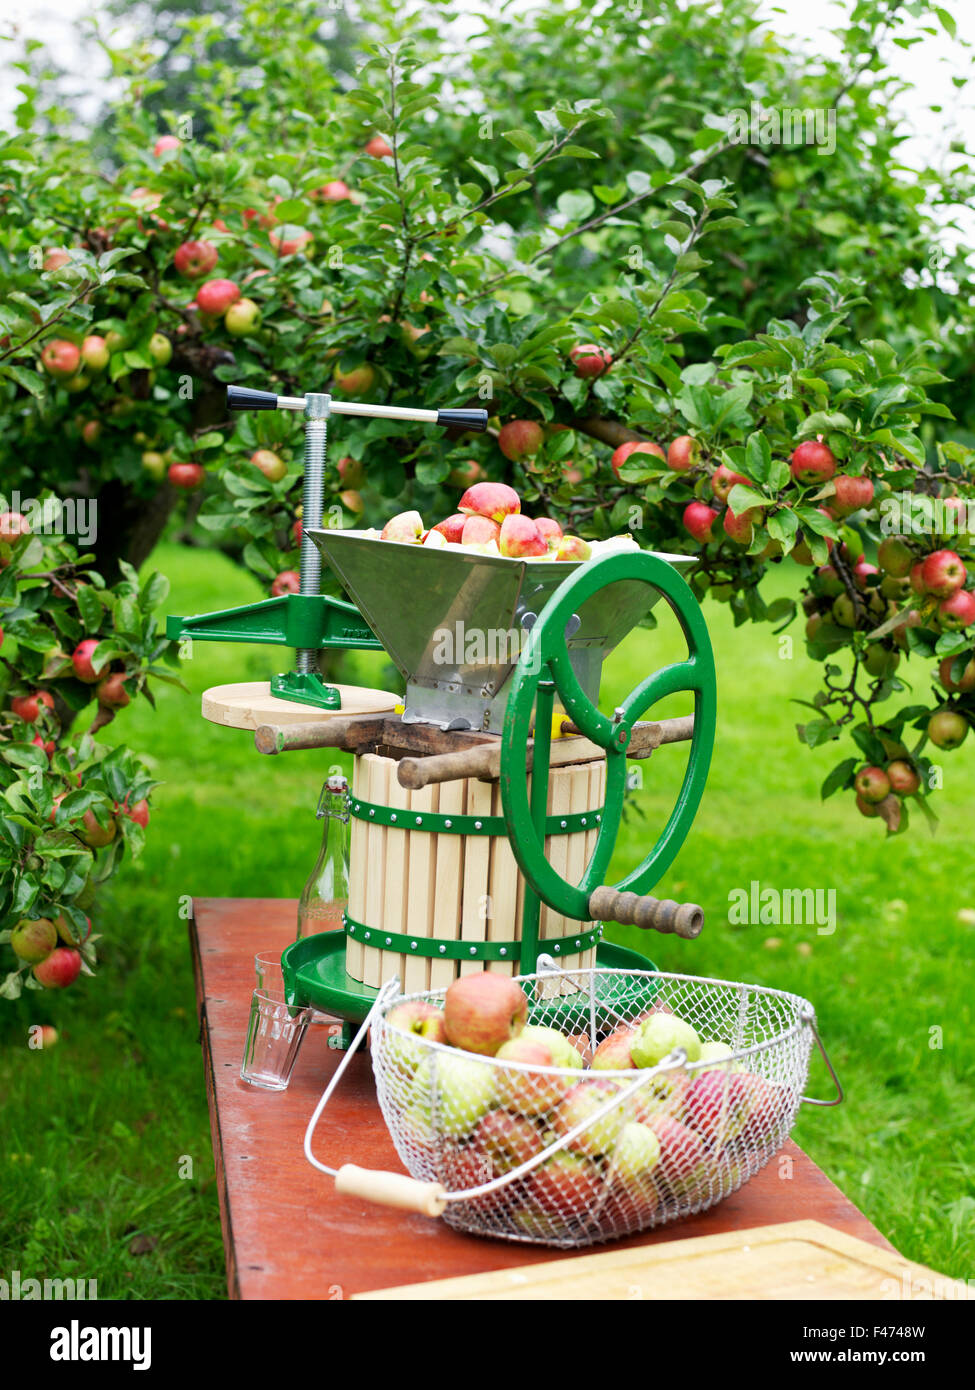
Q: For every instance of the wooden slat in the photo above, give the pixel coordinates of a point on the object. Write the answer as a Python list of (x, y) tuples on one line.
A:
[(421, 888), (375, 866), (449, 879), (504, 924), (397, 872), (477, 869), (358, 857), (797, 1260)]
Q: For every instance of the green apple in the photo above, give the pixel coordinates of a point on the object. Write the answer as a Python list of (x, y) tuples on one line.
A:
[(563, 1053), (716, 1052), (453, 1093), (660, 1035), (637, 1154), (581, 1102)]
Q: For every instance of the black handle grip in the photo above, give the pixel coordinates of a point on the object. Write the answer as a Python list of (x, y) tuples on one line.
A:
[(466, 419), (243, 398)]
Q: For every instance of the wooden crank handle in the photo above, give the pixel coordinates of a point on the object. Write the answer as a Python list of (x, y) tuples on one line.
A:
[(656, 914), (391, 1189)]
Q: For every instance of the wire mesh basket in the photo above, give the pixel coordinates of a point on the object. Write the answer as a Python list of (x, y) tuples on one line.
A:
[(589, 1150)]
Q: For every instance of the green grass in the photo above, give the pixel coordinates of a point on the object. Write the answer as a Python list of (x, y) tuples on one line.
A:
[(97, 1132)]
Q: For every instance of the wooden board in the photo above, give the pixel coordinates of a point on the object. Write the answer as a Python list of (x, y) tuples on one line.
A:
[(795, 1260), (286, 1233), (251, 703)]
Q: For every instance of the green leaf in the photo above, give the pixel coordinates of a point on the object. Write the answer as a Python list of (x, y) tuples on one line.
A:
[(841, 776), (758, 457), (741, 498), (660, 147)]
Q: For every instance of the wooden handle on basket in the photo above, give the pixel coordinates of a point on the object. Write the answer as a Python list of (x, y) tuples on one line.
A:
[(391, 1189), (654, 914)]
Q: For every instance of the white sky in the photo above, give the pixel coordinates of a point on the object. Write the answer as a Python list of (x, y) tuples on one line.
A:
[(927, 65)]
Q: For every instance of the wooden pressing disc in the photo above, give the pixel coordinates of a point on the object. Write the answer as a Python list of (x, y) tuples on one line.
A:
[(251, 703)]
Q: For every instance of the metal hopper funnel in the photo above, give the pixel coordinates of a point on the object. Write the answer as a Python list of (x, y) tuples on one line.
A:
[(454, 621)]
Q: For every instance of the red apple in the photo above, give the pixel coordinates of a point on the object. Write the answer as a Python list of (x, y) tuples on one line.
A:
[(634, 446), (48, 746), (872, 783), (56, 258), (291, 240), (377, 148), (13, 525), (60, 358), (573, 548), (90, 432), (582, 1102), (589, 360), (699, 519), (287, 582), (61, 968), (613, 1053), (465, 474), (97, 836), (505, 1140), (549, 530), (483, 1011), (138, 812), (942, 573), (565, 1185), (334, 192), (520, 439), (723, 479), (528, 1092), (81, 661), (164, 143), (967, 679), (188, 476), (419, 1019), (194, 259), (739, 526), (351, 471), (917, 579), (352, 500), (452, 527), (216, 296), (903, 779), (683, 454), (28, 707), (494, 500), (111, 690), (812, 462), (958, 611), (851, 494), (94, 352), (683, 1157), (520, 538)]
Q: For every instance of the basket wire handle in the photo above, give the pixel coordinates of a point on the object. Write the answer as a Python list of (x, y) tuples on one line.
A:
[(391, 1189), (809, 1019)]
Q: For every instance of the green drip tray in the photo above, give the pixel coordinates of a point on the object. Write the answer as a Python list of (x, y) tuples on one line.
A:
[(315, 974)]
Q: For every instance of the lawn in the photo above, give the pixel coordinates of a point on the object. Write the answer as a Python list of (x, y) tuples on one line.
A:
[(105, 1149)]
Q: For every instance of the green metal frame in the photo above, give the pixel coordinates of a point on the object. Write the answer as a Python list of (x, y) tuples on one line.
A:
[(571, 823), (458, 949), (545, 668)]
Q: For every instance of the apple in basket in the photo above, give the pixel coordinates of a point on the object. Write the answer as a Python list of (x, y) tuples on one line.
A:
[(583, 1101), (613, 1053), (462, 1167), (715, 1106), (503, 1141), (481, 1012), (662, 1095), (562, 1049), (451, 1093), (660, 1035), (419, 1018), (528, 1092), (565, 1184), (633, 1192), (683, 1157)]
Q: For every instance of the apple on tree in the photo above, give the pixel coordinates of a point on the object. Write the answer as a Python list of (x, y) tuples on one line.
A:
[(194, 259), (589, 360), (634, 446), (61, 359), (28, 707), (287, 582), (186, 476), (33, 940), (683, 454), (812, 463), (520, 439)]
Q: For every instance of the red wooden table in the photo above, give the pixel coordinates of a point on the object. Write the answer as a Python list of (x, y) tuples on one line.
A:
[(288, 1235)]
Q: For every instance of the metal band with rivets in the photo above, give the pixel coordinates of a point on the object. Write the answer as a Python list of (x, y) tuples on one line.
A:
[(464, 950), (572, 823)]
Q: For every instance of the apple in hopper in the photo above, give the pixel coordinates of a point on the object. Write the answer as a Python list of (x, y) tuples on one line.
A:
[(520, 439), (33, 941), (452, 527), (550, 531), (406, 527), (451, 1093), (481, 533), (418, 1019), (484, 1011), (573, 548), (434, 539), (493, 500), (662, 1034), (521, 539)]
